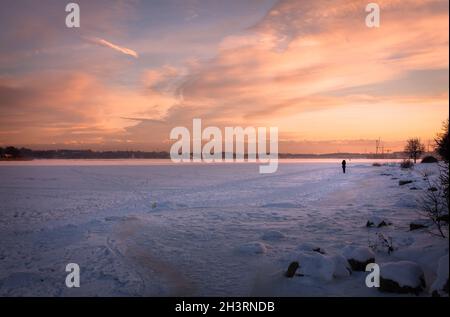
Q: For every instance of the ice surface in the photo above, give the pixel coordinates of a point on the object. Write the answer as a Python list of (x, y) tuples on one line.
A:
[(160, 229)]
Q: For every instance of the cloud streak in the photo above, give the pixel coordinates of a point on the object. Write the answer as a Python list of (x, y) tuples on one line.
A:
[(120, 49)]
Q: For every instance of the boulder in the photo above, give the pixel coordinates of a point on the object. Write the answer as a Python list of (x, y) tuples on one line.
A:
[(377, 222), (358, 257), (291, 269), (341, 266), (320, 266), (401, 277), (419, 224), (316, 265)]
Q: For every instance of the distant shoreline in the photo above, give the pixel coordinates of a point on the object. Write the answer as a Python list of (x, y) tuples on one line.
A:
[(280, 156)]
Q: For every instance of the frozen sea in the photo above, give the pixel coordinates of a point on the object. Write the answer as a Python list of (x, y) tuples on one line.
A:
[(155, 228)]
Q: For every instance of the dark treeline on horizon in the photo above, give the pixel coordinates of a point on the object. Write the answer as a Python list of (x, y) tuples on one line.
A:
[(11, 152), (14, 153)]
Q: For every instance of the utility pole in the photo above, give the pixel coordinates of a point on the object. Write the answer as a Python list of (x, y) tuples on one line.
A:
[(377, 145)]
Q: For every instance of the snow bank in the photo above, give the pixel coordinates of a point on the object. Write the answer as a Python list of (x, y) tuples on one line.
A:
[(441, 282)]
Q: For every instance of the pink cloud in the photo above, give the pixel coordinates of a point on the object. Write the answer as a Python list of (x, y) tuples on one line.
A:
[(115, 47)]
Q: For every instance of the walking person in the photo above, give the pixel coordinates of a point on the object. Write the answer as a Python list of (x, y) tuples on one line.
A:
[(344, 164)]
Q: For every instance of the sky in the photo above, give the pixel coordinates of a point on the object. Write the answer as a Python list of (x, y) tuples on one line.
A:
[(136, 69)]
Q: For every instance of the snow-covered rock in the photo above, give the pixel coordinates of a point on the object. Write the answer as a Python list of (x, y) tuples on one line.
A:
[(358, 257), (292, 268), (440, 285), (314, 264), (419, 224), (341, 266), (321, 266), (273, 235), (252, 248), (375, 221), (401, 277)]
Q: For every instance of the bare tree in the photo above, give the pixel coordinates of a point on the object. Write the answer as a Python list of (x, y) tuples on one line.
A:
[(435, 204), (414, 148)]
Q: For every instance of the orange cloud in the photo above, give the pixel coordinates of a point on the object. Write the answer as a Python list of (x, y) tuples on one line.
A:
[(304, 56)]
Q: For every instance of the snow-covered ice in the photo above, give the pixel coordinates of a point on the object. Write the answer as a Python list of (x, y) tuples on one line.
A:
[(153, 228)]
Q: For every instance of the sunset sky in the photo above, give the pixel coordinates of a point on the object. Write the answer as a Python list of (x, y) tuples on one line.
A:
[(136, 69)]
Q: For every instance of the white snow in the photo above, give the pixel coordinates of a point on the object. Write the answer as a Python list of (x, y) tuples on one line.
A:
[(153, 228), (404, 273)]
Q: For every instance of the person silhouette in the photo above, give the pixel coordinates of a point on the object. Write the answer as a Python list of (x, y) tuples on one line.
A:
[(344, 163)]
